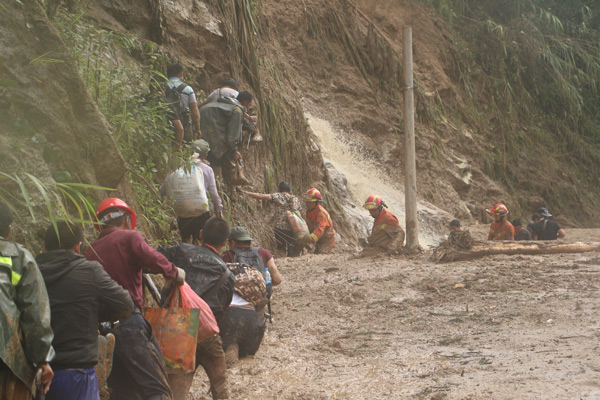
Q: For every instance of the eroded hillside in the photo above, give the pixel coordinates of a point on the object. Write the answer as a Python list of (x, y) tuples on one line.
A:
[(336, 61)]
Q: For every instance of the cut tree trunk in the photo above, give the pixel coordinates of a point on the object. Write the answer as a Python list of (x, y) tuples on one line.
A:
[(447, 253)]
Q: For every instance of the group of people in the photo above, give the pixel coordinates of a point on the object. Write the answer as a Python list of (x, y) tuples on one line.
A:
[(52, 306), (541, 226), (221, 120)]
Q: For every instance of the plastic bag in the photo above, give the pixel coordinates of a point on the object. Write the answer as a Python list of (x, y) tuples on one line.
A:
[(207, 324), (298, 224), (187, 191), (176, 330)]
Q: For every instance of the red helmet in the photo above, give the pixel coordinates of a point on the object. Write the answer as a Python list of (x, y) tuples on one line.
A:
[(373, 202), (313, 195), (115, 202), (499, 210)]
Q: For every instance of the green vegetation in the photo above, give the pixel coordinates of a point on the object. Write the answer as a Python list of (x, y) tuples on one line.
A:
[(126, 93), (537, 65)]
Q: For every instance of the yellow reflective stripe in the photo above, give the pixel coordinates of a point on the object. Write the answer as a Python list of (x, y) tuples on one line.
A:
[(15, 278), (314, 237)]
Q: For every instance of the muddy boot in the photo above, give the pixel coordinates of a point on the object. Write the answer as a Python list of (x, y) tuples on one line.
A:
[(232, 355)]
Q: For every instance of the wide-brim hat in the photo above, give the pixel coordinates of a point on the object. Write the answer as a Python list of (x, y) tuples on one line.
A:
[(240, 234), (201, 146), (544, 212)]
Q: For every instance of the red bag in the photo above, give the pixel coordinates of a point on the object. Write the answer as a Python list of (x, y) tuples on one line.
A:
[(207, 325)]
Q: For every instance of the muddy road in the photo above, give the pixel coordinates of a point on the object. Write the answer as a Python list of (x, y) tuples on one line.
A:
[(503, 327)]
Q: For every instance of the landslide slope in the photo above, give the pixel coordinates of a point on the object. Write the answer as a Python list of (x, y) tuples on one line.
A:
[(335, 60)]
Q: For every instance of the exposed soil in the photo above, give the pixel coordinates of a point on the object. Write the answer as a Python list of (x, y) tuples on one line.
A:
[(501, 327)]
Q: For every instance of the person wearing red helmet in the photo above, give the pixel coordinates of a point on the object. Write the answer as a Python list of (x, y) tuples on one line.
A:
[(501, 228), (387, 233), (138, 368), (320, 226)]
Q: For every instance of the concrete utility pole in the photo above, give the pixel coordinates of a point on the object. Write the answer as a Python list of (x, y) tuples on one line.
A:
[(410, 186)]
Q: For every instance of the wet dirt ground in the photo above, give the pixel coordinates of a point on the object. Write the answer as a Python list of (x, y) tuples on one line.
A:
[(502, 327)]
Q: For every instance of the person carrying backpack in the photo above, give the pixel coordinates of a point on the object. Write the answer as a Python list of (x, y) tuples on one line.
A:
[(184, 99), (243, 326)]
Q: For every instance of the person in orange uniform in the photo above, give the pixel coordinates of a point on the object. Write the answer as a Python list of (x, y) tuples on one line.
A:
[(501, 228), (319, 224), (387, 234)]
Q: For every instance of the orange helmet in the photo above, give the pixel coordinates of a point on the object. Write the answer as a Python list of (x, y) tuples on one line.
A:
[(373, 202), (114, 202), (313, 195)]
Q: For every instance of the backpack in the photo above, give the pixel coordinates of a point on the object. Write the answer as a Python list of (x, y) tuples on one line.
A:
[(251, 257), (174, 97), (249, 283)]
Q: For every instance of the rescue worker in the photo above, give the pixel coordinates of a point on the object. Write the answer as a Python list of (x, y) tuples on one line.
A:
[(244, 326), (501, 228), (25, 332), (81, 294), (386, 233), (138, 367), (320, 226), (210, 278)]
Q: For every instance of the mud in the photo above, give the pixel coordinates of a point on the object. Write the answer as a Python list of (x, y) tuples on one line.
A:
[(402, 327)]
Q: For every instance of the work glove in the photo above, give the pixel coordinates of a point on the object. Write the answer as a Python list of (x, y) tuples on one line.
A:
[(180, 279), (306, 239)]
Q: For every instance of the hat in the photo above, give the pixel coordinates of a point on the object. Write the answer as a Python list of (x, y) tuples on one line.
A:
[(240, 234), (544, 212), (201, 146)]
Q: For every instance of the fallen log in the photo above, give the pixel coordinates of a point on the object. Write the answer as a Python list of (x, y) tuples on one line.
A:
[(446, 252)]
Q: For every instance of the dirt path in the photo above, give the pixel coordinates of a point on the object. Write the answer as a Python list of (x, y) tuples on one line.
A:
[(520, 327)]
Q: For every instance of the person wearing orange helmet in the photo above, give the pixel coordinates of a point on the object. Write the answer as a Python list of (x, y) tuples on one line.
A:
[(138, 367), (387, 233), (501, 228), (320, 226)]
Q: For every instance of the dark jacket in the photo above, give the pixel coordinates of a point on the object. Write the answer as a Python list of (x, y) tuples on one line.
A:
[(203, 268), (81, 294)]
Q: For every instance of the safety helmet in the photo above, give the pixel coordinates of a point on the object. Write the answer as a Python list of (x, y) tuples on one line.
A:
[(499, 210), (373, 202), (114, 202), (313, 195)]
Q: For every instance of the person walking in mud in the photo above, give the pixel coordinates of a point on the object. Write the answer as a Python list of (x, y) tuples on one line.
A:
[(284, 201), (386, 234), (25, 331), (209, 278), (320, 226), (501, 228), (546, 229), (138, 368), (520, 233)]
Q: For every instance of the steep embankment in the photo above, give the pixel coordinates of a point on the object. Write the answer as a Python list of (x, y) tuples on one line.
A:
[(335, 63)]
